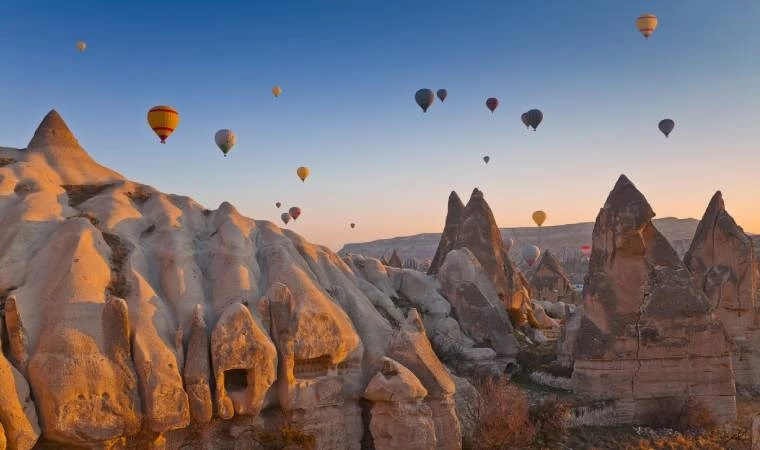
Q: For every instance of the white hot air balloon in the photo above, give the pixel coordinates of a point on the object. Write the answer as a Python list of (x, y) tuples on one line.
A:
[(225, 140)]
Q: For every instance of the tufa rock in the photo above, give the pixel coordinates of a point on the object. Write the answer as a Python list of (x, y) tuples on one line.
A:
[(550, 282), (395, 261), (646, 328)]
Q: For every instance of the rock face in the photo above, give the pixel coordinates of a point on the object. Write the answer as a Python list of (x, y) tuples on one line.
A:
[(549, 281), (395, 260), (722, 258), (645, 326), (474, 227), (400, 418), (133, 317)]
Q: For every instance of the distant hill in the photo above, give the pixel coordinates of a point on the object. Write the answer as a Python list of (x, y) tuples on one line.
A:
[(563, 240)]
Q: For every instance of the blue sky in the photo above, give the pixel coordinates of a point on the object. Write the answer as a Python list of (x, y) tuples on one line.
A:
[(349, 71)]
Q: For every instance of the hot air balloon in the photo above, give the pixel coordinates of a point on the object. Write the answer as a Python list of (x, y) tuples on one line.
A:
[(225, 140), (163, 120), (666, 126), (285, 217), (303, 173), (586, 250), (530, 254), (534, 118), (424, 98), (539, 217), (508, 244), (492, 103), (278, 204), (524, 118), (295, 212), (277, 91), (353, 225), (81, 46), (486, 159), (442, 94), (646, 24)]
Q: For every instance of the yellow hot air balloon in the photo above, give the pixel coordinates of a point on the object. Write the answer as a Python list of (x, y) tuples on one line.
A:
[(539, 217), (646, 24), (81, 46), (163, 120), (277, 91), (303, 172)]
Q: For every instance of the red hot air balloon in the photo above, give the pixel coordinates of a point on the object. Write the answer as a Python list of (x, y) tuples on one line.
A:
[(586, 250), (492, 103), (295, 212)]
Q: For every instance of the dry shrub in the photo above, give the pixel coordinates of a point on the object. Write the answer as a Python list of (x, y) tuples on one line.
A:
[(549, 418), (501, 419), (681, 414)]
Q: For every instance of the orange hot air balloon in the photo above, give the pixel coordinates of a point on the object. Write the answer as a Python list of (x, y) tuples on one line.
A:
[(539, 217), (303, 173), (163, 120), (646, 24)]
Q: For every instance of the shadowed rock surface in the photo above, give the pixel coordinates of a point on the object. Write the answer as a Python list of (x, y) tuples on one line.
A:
[(722, 260), (549, 282), (645, 326)]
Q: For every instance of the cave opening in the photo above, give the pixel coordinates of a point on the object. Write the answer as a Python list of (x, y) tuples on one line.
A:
[(236, 380)]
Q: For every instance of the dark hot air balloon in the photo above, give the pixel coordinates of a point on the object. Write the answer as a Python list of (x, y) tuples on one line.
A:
[(666, 126), (492, 103), (486, 159), (534, 118), (424, 98), (285, 217), (278, 204), (442, 94), (295, 212), (524, 118), (353, 225)]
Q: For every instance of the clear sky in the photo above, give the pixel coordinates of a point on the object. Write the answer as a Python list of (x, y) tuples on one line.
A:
[(349, 71)]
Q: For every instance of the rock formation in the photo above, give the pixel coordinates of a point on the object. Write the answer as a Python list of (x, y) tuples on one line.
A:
[(395, 260), (400, 418), (140, 318), (474, 227), (549, 282), (721, 258), (645, 326)]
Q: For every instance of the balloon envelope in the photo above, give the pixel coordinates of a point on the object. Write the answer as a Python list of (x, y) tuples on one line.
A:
[(530, 254), (666, 126), (586, 250), (486, 159), (285, 217), (81, 46), (539, 217), (303, 173), (353, 225), (276, 91), (442, 94), (163, 120), (278, 204), (524, 118), (534, 118), (294, 212), (225, 140), (424, 98), (492, 103), (646, 24)]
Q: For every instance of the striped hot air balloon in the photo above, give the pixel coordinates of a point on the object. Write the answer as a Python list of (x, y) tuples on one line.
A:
[(163, 120), (646, 24)]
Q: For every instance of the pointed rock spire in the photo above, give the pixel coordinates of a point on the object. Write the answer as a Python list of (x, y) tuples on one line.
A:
[(550, 281), (450, 232), (53, 132)]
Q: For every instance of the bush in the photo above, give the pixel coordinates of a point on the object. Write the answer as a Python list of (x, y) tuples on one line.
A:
[(500, 417), (681, 414), (549, 418)]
